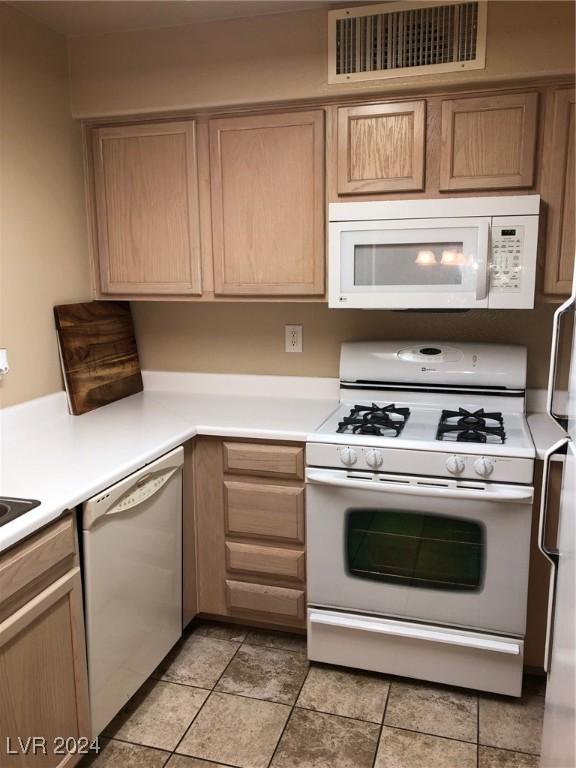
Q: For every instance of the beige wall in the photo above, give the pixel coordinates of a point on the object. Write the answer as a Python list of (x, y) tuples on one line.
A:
[(43, 239), (249, 338), (43, 244), (270, 58)]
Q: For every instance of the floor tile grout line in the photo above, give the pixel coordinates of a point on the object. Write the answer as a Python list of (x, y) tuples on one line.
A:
[(338, 714), (293, 707), (177, 682), (477, 730), (509, 749), (435, 735), (379, 740), (273, 647), (212, 690)]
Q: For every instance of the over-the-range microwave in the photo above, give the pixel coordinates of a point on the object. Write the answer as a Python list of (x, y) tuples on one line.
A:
[(449, 253)]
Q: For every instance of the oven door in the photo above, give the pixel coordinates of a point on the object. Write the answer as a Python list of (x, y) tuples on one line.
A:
[(419, 263), (438, 551)]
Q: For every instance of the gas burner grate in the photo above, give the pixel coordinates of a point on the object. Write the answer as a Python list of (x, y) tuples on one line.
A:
[(464, 426), (380, 420)]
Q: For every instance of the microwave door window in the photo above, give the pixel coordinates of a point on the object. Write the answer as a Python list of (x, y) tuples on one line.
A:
[(414, 265), (415, 550)]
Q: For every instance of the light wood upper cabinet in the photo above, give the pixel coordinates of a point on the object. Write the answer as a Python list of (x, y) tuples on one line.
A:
[(558, 184), (267, 185), (146, 209), (43, 674), (488, 142), (381, 147)]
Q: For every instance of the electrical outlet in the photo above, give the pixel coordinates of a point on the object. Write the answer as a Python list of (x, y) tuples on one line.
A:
[(293, 338)]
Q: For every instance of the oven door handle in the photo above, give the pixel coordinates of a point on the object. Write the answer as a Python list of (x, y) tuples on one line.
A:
[(321, 477)]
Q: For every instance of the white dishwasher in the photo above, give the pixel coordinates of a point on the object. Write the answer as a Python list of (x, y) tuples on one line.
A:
[(132, 542)]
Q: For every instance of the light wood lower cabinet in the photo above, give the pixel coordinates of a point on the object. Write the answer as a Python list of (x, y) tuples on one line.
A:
[(266, 561), (264, 460), (250, 531), (248, 506), (43, 677), (273, 603)]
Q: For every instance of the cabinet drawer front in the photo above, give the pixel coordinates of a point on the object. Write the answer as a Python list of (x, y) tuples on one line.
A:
[(35, 556), (267, 511), (271, 561), (266, 460), (260, 598)]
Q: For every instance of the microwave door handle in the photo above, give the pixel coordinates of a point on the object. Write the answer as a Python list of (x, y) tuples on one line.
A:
[(482, 261), (320, 477), (562, 309), (550, 554)]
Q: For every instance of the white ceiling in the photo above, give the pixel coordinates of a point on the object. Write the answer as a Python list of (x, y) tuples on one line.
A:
[(75, 18)]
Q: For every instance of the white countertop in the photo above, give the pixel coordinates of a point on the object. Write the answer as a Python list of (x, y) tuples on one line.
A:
[(62, 460)]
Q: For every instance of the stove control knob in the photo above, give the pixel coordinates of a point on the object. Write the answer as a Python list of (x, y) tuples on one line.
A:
[(374, 458), (484, 467), (455, 465), (348, 456)]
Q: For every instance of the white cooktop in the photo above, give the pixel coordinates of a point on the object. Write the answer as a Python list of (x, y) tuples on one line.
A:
[(419, 432)]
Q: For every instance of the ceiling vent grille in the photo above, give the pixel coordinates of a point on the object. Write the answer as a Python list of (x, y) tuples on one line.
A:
[(406, 38)]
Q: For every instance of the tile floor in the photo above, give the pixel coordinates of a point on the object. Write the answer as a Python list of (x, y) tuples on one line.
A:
[(232, 696)]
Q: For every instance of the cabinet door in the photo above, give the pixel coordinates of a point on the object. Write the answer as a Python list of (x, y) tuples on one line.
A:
[(267, 180), (488, 142), (381, 147), (558, 192), (43, 685), (147, 216)]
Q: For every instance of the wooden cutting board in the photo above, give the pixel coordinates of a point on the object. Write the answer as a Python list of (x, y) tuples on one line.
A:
[(98, 353)]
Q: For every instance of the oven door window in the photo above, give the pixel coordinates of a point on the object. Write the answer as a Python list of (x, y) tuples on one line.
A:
[(415, 550)]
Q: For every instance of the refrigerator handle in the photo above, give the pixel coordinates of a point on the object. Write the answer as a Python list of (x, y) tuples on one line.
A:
[(550, 554), (562, 309)]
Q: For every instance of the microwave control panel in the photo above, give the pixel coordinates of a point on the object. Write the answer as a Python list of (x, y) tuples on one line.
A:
[(507, 248)]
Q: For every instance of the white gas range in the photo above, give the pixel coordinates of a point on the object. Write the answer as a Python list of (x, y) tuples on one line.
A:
[(419, 507)]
